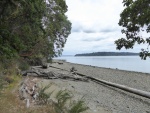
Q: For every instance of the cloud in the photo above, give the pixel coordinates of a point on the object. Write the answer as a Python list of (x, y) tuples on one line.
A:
[(94, 25), (89, 31), (89, 39), (108, 30), (83, 42), (95, 28), (100, 30), (76, 27)]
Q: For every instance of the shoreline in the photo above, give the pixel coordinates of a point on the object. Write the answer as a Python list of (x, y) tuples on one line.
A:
[(101, 97), (61, 60), (112, 68), (132, 79)]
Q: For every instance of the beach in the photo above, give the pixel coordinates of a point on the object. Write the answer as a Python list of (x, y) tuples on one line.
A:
[(99, 97)]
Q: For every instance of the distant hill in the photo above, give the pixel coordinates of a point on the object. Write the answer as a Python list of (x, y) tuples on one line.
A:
[(108, 54)]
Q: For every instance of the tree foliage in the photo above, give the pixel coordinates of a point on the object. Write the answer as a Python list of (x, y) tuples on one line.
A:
[(135, 19), (39, 26)]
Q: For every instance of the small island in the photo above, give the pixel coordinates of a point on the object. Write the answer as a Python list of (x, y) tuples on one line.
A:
[(108, 54)]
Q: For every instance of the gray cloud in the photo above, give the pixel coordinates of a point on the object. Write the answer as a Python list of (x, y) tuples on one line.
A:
[(102, 30), (94, 25), (93, 39), (88, 31), (77, 27), (108, 30)]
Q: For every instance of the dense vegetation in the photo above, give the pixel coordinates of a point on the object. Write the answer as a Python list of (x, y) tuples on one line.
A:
[(38, 28), (29, 30), (135, 19), (108, 54)]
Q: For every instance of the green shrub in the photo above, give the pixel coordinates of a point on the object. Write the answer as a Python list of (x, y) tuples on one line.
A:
[(62, 97), (62, 103), (74, 107), (23, 65), (43, 96), (78, 107)]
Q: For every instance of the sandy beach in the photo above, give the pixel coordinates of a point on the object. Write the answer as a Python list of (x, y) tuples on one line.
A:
[(101, 98)]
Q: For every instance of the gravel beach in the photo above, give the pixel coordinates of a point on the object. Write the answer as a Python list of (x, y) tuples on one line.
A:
[(101, 98)]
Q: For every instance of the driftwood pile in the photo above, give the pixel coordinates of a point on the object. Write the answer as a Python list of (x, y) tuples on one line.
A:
[(55, 75), (28, 90)]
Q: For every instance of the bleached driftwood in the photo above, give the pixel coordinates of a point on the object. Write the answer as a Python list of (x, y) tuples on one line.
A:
[(27, 103), (54, 75), (122, 87), (28, 91)]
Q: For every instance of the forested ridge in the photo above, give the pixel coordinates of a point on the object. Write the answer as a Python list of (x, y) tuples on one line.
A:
[(108, 54)]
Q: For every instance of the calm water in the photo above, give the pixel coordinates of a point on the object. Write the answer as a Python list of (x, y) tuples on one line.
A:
[(131, 63)]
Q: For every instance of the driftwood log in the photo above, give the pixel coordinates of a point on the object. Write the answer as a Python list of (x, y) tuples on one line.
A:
[(55, 75), (28, 90), (74, 75), (122, 87)]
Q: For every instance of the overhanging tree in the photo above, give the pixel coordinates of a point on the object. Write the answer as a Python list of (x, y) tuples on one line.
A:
[(135, 19), (40, 26)]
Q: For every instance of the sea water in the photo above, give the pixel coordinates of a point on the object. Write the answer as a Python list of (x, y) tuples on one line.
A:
[(129, 63)]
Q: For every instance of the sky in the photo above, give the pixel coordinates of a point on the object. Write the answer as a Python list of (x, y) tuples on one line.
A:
[(94, 26)]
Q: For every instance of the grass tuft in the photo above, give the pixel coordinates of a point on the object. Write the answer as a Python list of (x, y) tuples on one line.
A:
[(78, 107), (62, 97), (43, 96)]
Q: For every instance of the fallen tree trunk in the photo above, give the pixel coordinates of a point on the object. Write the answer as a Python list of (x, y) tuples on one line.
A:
[(53, 75), (122, 87)]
